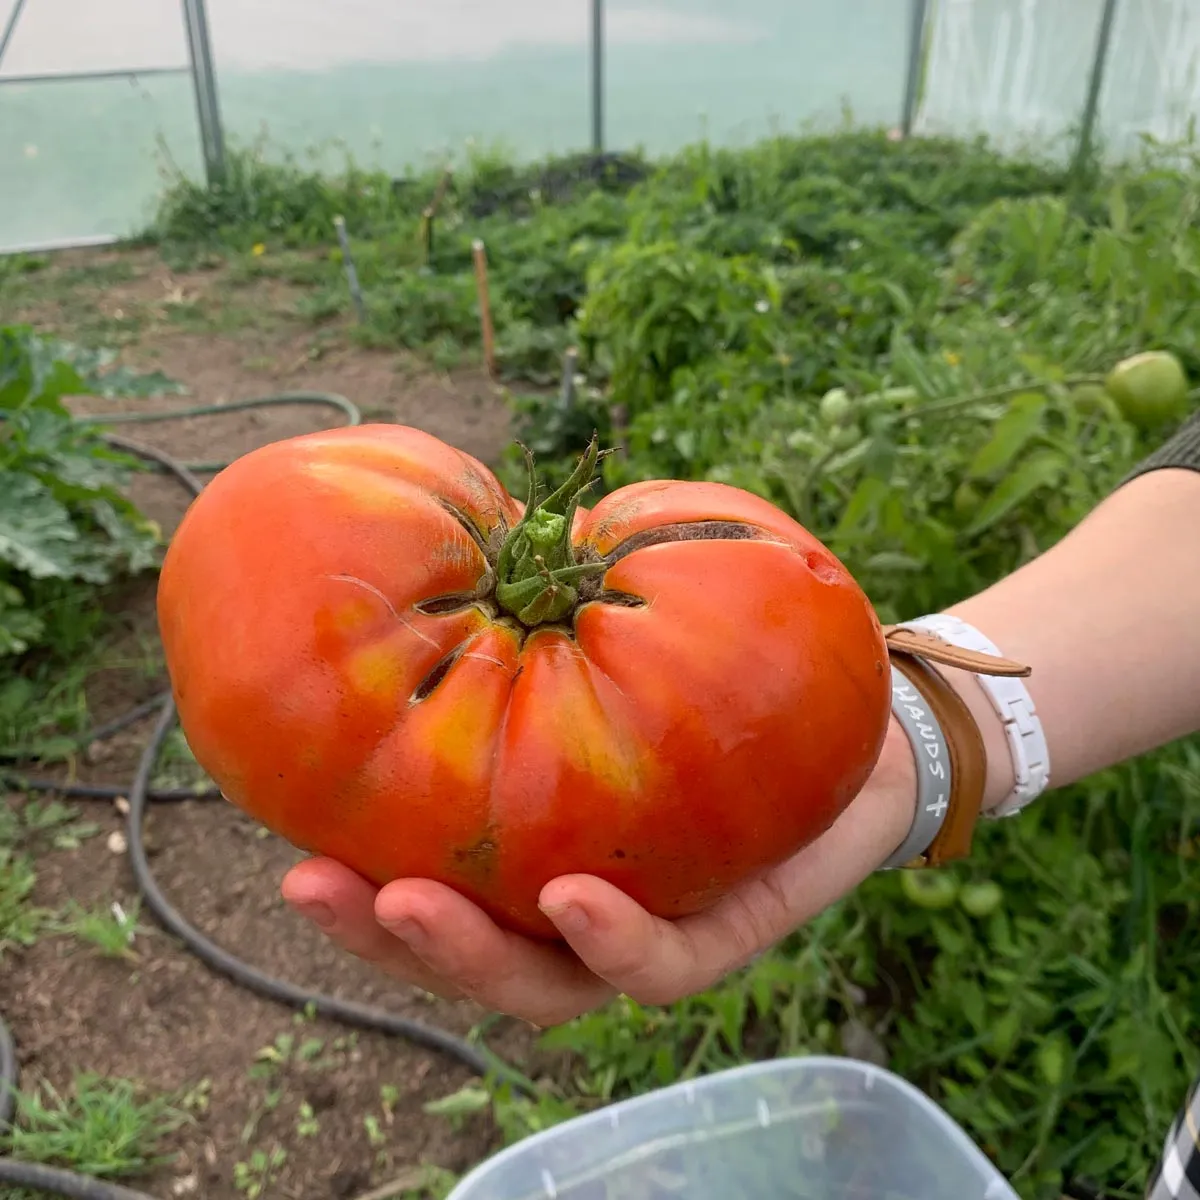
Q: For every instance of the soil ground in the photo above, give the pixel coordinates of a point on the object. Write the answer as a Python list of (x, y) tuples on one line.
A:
[(163, 1018)]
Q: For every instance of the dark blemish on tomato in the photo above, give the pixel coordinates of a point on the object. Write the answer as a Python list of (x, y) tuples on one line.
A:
[(618, 854), (477, 860), (481, 849)]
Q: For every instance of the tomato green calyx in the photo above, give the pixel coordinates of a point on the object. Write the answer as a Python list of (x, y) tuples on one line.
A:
[(537, 570)]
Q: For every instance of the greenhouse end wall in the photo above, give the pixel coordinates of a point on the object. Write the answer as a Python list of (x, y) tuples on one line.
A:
[(404, 83)]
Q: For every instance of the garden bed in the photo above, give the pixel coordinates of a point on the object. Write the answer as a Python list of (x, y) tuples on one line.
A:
[(251, 1077)]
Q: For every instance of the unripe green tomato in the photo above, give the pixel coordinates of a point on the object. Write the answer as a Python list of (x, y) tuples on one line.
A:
[(981, 899), (1149, 388), (1091, 399), (836, 406), (801, 439), (966, 500), (929, 889), (842, 437), (897, 396)]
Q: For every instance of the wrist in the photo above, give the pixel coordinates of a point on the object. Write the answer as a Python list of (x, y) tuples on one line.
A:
[(1013, 757), (893, 788)]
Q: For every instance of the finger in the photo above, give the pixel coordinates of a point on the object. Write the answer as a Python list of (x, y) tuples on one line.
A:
[(651, 960), (657, 962), (342, 905), (543, 983)]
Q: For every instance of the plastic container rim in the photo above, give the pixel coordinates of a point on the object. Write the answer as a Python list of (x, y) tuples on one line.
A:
[(871, 1075)]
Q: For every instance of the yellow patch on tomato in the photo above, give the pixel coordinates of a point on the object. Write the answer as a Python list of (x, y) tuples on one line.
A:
[(588, 725), (371, 491), (460, 735), (375, 671), (353, 615)]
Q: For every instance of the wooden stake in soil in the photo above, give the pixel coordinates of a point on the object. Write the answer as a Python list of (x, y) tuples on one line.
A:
[(485, 307)]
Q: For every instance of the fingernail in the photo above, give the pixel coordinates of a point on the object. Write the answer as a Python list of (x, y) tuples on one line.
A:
[(410, 932), (318, 913), (568, 918)]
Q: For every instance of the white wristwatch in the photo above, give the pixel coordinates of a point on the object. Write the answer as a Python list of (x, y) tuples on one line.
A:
[(1013, 704)]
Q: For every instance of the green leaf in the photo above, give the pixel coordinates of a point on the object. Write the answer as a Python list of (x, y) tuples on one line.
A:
[(1118, 209), (32, 372), (1042, 469), (1010, 435), (1052, 1059), (19, 628), (863, 503), (1005, 1030), (36, 531), (465, 1101), (891, 560)]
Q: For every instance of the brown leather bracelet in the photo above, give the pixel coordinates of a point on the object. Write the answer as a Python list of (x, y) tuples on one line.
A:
[(912, 653)]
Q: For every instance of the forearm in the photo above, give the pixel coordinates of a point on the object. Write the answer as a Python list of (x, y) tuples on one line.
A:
[(1109, 621)]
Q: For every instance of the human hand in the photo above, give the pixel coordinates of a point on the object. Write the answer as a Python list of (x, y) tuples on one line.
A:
[(426, 934)]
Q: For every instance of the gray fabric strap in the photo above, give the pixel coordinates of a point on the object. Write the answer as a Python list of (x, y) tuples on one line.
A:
[(932, 754), (1183, 451)]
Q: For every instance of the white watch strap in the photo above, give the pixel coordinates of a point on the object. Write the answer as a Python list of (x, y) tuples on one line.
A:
[(1013, 704)]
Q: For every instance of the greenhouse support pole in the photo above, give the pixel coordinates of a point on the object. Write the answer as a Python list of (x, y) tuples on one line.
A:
[(11, 27), (597, 48), (1091, 106), (208, 109), (916, 58)]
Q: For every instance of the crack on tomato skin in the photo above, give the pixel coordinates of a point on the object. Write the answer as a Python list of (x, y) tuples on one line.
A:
[(489, 545), (489, 658), (446, 606), (592, 590), (437, 673), (619, 599), (690, 531), (374, 591), (481, 596)]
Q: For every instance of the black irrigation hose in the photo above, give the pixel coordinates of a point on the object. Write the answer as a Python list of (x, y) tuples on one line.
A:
[(478, 1058)]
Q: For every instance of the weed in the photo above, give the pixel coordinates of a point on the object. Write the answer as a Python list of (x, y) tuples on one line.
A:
[(104, 1127), (23, 830), (256, 1175), (20, 920), (110, 930), (306, 1123)]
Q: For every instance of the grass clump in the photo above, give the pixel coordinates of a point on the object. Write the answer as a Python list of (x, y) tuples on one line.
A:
[(107, 1128)]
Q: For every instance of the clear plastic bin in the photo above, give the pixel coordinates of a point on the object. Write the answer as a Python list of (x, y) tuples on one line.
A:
[(791, 1129)]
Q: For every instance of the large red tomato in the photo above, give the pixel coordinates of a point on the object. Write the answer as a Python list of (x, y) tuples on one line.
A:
[(378, 656)]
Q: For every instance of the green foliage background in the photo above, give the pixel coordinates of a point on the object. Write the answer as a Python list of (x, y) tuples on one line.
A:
[(968, 305)]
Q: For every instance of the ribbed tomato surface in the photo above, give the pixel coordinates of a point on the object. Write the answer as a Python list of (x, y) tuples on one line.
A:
[(715, 697)]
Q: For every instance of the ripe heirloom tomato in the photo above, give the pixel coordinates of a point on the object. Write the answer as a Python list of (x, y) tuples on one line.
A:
[(386, 659)]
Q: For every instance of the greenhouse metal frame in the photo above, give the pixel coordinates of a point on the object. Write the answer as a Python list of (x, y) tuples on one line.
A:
[(200, 68)]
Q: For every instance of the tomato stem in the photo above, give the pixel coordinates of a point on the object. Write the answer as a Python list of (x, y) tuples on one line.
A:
[(537, 568)]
